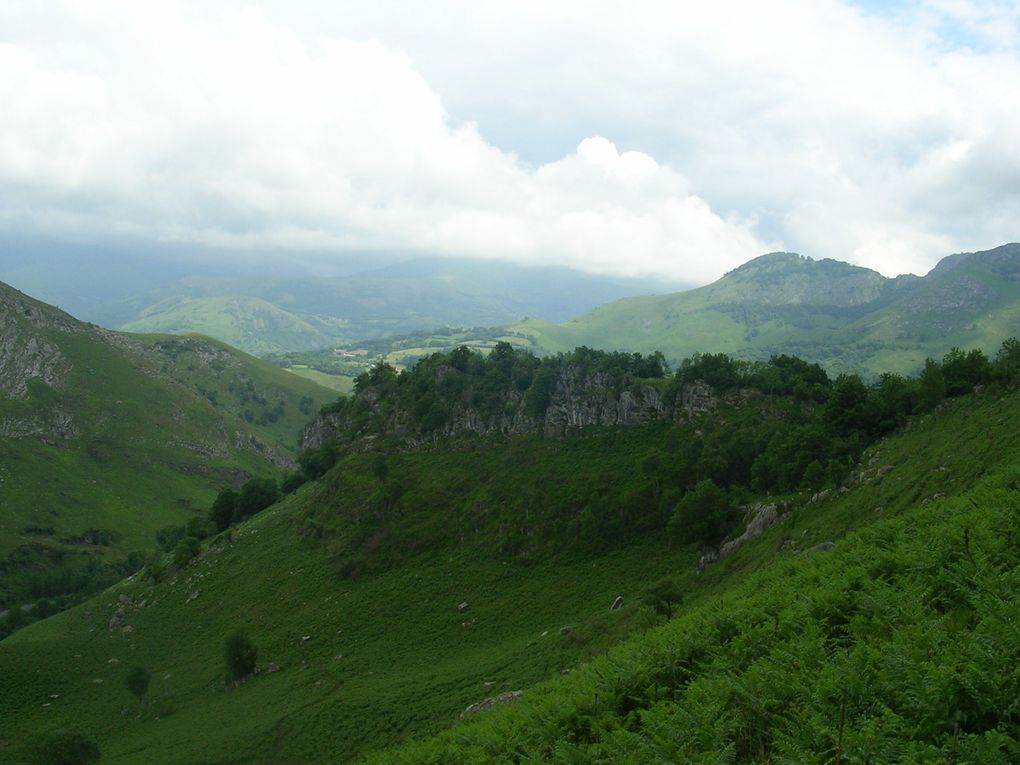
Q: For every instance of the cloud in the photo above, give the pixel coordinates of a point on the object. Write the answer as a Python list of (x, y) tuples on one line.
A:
[(662, 138), (250, 136)]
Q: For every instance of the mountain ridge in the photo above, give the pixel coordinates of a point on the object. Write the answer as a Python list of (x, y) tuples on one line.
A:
[(846, 317)]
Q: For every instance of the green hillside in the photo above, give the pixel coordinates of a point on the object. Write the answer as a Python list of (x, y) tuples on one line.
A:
[(245, 322), (405, 585), (845, 317), (106, 437)]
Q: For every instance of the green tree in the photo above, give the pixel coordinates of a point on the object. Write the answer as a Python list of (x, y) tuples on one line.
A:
[(240, 655), (663, 596), (137, 681), (1007, 361), (703, 516), (932, 386), (317, 462), (256, 495), (185, 550), (223, 509), (814, 476)]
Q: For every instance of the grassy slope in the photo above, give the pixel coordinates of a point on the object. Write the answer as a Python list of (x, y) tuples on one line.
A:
[(245, 322), (914, 635), (389, 656), (152, 446)]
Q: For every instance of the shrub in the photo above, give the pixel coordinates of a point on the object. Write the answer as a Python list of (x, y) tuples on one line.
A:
[(240, 655), (186, 549), (137, 681), (703, 516), (663, 595), (65, 747)]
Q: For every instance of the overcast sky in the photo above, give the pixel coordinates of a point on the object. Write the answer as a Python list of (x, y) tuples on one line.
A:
[(674, 139)]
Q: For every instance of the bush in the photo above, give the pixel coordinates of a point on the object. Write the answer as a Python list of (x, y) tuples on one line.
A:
[(65, 747), (256, 495), (167, 538), (223, 509), (663, 595), (137, 681), (240, 655), (186, 549), (704, 516)]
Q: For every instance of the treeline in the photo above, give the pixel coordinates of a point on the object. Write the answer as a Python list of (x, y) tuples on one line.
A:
[(429, 394), (776, 427)]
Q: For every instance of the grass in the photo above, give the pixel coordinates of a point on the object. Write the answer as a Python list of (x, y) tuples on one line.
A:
[(390, 658), (141, 433)]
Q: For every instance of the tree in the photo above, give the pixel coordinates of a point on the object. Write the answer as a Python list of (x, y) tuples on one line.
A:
[(317, 462), (814, 476), (932, 386), (64, 747), (185, 550), (137, 681), (663, 595), (703, 516), (847, 410), (240, 655), (223, 509), (256, 495)]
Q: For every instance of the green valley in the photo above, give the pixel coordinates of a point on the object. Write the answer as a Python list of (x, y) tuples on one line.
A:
[(448, 553)]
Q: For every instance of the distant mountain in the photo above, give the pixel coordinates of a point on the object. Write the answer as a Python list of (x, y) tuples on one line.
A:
[(277, 303), (843, 316), (278, 314), (106, 437)]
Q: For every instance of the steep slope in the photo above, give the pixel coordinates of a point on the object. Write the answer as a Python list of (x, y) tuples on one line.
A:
[(106, 437), (842, 316), (500, 576)]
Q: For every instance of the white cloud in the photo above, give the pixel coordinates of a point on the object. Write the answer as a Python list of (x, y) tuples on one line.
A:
[(474, 129)]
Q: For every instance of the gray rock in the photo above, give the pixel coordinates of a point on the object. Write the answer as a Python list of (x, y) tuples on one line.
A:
[(117, 618), (492, 701), (762, 518), (822, 547)]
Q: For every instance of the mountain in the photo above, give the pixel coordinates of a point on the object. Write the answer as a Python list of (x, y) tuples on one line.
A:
[(843, 316), (270, 315), (106, 437), (874, 616), (278, 303)]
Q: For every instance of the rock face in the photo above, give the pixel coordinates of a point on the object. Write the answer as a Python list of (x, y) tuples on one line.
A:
[(579, 398), (28, 356)]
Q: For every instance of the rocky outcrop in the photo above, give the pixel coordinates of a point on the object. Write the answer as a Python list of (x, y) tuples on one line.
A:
[(579, 398), (760, 519), (27, 356), (492, 701)]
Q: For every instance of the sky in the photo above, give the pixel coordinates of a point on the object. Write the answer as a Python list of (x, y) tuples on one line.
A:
[(666, 139)]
